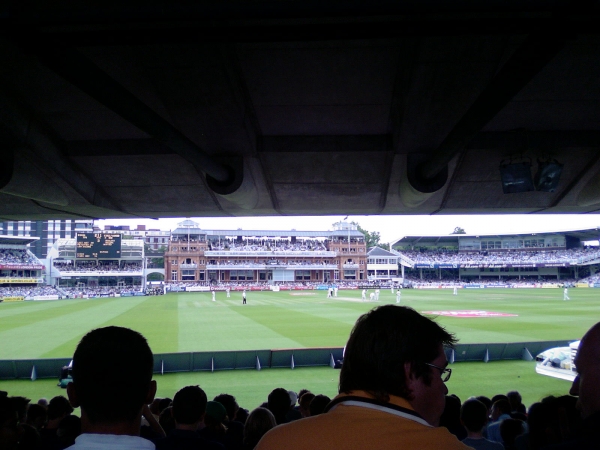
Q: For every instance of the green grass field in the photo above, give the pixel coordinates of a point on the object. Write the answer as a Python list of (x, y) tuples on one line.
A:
[(192, 322)]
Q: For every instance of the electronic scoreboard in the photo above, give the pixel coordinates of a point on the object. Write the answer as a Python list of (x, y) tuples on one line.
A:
[(98, 245)]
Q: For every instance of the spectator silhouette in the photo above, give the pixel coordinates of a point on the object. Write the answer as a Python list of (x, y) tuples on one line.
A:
[(68, 430), (451, 417), (278, 403), (9, 424), (585, 387), (258, 423), (474, 416), (242, 415), (112, 382), (37, 416), (214, 427), (166, 420), (500, 412), (318, 404), (305, 400), (189, 408), (509, 430), (58, 408), (516, 403), (550, 421), (235, 429), (293, 413)]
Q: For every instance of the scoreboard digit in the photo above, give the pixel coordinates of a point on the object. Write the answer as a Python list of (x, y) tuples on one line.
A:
[(98, 245)]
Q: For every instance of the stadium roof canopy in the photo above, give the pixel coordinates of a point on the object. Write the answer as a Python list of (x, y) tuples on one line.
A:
[(119, 109), (592, 234), (17, 240)]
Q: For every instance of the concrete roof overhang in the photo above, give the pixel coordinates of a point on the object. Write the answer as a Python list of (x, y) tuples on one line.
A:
[(231, 108)]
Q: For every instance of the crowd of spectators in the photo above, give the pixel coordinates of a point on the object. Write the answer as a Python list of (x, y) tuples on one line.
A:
[(80, 291), (98, 266), (591, 279), (503, 419), (17, 256), (504, 280), (271, 262), (502, 257), (269, 245), (264, 285), (27, 291), (51, 425)]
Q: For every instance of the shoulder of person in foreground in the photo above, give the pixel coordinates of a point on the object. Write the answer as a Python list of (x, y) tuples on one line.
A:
[(303, 434)]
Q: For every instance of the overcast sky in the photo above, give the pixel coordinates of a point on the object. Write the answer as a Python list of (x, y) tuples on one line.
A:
[(391, 228)]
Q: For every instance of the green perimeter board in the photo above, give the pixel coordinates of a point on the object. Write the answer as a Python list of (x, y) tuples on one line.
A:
[(184, 322), (251, 387)]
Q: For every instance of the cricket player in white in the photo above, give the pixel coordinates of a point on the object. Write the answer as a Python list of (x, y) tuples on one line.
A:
[(566, 294)]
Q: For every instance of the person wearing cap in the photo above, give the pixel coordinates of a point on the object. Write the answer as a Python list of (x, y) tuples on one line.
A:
[(293, 413), (235, 428), (391, 390), (214, 429)]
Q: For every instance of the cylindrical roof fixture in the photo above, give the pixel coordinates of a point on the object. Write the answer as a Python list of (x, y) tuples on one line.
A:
[(415, 189), (547, 176), (240, 189)]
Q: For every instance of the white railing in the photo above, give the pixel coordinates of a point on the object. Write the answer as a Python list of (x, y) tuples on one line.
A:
[(98, 273), (234, 252), (237, 266), (406, 260)]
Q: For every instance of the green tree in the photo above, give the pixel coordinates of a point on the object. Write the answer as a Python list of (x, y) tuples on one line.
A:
[(156, 277), (372, 238), (158, 261), (459, 230)]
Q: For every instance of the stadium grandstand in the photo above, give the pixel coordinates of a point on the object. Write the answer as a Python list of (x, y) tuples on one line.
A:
[(559, 258), (97, 265), (21, 273), (211, 257)]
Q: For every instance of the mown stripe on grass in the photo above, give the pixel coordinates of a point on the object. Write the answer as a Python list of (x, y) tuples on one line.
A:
[(26, 313), (307, 329), (219, 326), (57, 336), (157, 319)]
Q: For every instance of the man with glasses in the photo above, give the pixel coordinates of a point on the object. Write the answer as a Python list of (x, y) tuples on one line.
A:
[(392, 390)]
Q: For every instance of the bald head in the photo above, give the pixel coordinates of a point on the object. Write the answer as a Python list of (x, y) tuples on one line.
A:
[(587, 363)]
